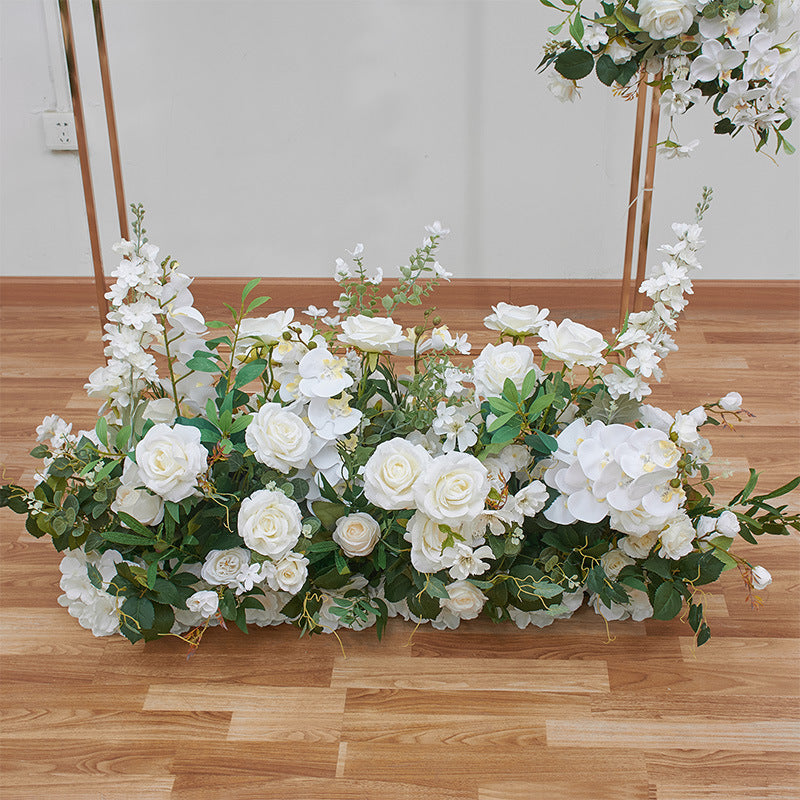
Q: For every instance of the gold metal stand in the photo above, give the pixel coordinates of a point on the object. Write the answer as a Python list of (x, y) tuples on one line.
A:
[(111, 118), (83, 149), (83, 155), (629, 285)]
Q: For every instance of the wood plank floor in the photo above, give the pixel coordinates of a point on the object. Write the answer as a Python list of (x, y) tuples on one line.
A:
[(482, 713)]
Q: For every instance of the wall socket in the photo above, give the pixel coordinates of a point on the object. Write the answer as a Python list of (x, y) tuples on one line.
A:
[(59, 130)]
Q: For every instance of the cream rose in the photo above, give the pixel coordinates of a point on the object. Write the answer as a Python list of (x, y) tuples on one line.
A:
[(465, 600), (663, 19), (270, 523), (288, 574), (427, 539), (279, 438), (613, 561), (532, 498), (391, 471), (498, 362), (161, 410), (572, 343), (204, 603), (731, 402), (143, 506), (170, 460), (357, 534), (676, 539), (453, 488), (516, 320), (222, 567), (372, 334)]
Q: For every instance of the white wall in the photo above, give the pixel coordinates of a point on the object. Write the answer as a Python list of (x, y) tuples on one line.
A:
[(266, 137)]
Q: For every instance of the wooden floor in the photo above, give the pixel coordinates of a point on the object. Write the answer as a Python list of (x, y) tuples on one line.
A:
[(483, 713)]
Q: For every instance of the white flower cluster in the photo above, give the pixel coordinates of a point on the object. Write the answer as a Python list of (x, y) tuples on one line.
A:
[(95, 609), (739, 54), (147, 296), (626, 474), (647, 333)]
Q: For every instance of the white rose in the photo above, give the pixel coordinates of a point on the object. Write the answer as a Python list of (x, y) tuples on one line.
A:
[(516, 320), (279, 438), (270, 523), (727, 524), (498, 362), (204, 603), (371, 334), (357, 534), (222, 567), (289, 574), (532, 498), (465, 600), (731, 402), (427, 540), (391, 471), (761, 578), (676, 539), (268, 330), (143, 506), (663, 19), (170, 460), (613, 561), (453, 488), (572, 343), (161, 410)]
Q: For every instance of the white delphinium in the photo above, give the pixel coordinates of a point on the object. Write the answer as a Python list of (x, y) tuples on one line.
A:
[(646, 332)]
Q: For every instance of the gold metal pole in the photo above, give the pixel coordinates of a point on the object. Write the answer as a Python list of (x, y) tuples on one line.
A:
[(111, 119), (633, 198), (83, 155), (647, 200)]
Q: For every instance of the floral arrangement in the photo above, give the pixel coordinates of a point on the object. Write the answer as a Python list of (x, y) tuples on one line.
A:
[(734, 52), (341, 470)]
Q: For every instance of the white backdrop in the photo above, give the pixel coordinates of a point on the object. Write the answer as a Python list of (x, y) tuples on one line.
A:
[(265, 138)]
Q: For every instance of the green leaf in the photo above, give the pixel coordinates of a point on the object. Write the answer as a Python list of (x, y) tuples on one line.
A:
[(576, 28), (510, 392), (95, 578), (249, 286), (249, 372), (779, 492), (627, 18), (659, 566), (574, 64), (101, 429), (122, 437), (123, 537), (667, 601), (539, 405), (435, 588), (528, 384), (554, 29), (607, 72), (500, 421), (240, 423), (328, 513), (152, 572), (259, 301), (202, 365), (136, 526)]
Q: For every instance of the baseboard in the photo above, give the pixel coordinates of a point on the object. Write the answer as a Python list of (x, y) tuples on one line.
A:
[(464, 293)]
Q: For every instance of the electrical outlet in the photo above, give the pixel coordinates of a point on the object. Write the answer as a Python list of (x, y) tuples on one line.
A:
[(59, 130)]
